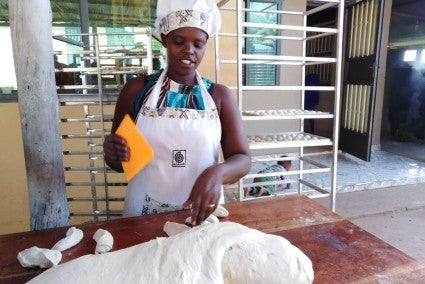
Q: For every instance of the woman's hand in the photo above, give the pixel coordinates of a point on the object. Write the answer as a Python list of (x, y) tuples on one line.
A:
[(115, 150), (205, 194)]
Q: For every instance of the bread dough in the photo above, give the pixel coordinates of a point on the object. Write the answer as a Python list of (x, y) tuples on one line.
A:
[(225, 252), (173, 228), (41, 257), (73, 237), (104, 241), (220, 212)]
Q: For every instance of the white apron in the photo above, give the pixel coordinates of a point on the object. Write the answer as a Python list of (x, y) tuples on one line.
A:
[(185, 142)]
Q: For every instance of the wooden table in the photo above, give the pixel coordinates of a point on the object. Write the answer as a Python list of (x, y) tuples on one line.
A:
[(341, 252)]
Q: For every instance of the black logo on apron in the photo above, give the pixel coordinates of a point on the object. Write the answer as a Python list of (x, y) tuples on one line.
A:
[(179, 158)]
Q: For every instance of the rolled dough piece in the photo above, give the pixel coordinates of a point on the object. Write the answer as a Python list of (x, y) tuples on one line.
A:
[(73, 237), (41, 257), (173, 228), (224, 252), (210, 219), (104, 241), (220, 212)]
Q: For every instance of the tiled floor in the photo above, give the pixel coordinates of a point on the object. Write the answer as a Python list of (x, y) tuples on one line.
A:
[(394, 211), (385, 196), (384, 169)]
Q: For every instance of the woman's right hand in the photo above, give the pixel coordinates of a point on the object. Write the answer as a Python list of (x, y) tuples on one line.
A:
[(116, 151)]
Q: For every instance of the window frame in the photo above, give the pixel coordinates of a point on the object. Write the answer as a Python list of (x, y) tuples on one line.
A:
[(249, 67)]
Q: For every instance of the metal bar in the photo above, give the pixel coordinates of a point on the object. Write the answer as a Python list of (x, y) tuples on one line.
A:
[(91, 168), (315, 187), (313, 162), (366, 30), (272, 37), (289, 116), (89, 199), (149, 55), (288, 88), (222, 3), (67, 40), (97, 214), (338, 84), (72, 153), (294, 172), (240, 31), (367, 106), (321, 8), (360, 30), (97, 184), (84, 23), (289, 58), (100, 100), (217, 57), (354, 29), (377, 22), (90, 119), (273, 12), (80, 136), (289, 27), (349, 109), (323, 35)]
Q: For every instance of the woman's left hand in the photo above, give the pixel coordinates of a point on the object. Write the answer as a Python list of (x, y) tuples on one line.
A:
[(205, 195)]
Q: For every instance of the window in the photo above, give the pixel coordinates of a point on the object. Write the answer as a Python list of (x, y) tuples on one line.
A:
[(423, 56), (409, 55), (119, 37), (121, 15), (256, 43)]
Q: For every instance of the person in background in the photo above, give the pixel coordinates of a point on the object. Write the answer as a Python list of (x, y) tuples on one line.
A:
[(185, 118), (263, 190)]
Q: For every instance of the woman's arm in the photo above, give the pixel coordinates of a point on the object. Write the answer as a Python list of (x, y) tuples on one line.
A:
[(205, 194), (115, 147), (234, 142)]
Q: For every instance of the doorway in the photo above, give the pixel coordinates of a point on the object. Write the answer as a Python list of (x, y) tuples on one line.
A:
[(403, 117)]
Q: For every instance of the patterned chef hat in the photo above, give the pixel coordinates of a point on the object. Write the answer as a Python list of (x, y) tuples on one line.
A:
[(174, 14)]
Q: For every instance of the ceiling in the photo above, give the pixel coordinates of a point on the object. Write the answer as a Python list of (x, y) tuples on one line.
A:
[(407, 26), (102, 13)]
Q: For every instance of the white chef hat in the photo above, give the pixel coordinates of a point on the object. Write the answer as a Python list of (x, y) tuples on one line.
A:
[(174, 14)]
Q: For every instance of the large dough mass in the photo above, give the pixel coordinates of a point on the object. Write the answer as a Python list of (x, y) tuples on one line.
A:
[(224, 252)]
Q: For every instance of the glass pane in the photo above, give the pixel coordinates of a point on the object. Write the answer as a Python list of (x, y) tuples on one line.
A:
[(122, 16), (258, 43)]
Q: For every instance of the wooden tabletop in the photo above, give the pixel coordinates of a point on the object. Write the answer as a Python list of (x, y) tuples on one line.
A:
[(341, 252)]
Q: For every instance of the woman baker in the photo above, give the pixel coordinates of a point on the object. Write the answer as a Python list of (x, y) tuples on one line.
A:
[(185, 118)]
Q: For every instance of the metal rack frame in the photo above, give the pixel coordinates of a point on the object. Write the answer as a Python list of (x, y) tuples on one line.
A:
[(94, 190), (303, 61)]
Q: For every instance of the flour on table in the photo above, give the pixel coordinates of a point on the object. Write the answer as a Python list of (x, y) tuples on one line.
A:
[(225, 252)]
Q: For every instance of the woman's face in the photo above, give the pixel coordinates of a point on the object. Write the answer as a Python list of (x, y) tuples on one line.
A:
[(185, 50)]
